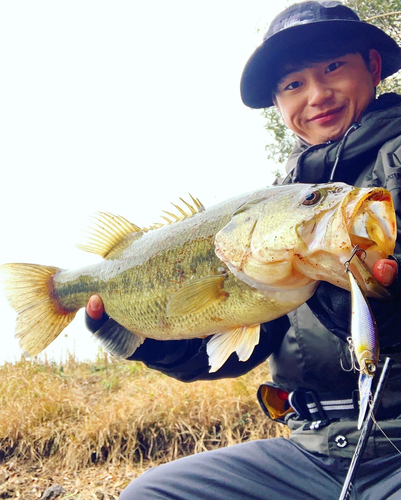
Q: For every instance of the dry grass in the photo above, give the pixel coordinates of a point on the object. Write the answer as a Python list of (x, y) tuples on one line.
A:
[(78, 416)]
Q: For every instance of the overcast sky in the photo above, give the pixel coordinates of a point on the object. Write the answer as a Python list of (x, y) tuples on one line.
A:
[(124, 107)]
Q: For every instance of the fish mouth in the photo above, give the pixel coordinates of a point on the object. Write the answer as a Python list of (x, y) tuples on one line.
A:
[(371, 227)]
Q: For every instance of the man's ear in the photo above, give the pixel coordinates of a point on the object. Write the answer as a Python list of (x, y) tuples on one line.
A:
[(375, 66)]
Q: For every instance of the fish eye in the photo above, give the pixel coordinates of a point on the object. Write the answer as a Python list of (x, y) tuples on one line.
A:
[(311, 198)]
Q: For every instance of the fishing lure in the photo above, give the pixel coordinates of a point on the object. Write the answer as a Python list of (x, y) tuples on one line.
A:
[(364, 340)]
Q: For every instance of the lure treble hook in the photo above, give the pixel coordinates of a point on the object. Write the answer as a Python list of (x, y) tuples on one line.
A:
[(355, 250), (351, 349)]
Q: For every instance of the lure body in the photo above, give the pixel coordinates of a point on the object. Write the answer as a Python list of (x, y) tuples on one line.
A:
[(365, 343)]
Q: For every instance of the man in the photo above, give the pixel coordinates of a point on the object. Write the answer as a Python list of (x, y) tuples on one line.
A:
[(319, 65)]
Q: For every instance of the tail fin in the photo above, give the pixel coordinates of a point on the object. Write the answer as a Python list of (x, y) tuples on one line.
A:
[(29, 290)]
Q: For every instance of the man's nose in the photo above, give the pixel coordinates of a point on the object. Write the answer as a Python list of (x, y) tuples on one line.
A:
[(319, 93)]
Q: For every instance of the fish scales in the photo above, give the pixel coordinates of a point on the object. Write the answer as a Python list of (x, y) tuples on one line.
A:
[(122, 283), (221, 271)]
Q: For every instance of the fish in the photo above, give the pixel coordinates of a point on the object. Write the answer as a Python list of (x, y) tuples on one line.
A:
[(364, 342), (219, 272)]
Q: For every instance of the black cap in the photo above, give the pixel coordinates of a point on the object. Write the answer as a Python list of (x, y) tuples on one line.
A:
[(307, 26)]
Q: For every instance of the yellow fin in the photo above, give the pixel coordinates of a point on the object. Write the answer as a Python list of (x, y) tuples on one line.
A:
[(170, 217), (107, 232), (41, 319), (241, 340), (197, 295)]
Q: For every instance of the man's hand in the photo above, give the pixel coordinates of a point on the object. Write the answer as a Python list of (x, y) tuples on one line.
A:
[(95, 308), (385, 271)]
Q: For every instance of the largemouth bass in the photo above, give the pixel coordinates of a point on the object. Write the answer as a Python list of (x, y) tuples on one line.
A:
[(221, 271)]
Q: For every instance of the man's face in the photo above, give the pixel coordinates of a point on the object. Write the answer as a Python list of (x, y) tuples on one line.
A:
[(321, 101)]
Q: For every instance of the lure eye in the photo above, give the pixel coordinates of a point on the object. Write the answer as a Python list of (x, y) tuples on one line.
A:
[(371, 368), (311, 198)]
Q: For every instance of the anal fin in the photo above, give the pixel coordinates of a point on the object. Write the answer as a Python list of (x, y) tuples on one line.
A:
[(117, 340), (241, 340)]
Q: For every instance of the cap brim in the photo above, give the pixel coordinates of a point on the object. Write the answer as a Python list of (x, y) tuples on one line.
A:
[(259, 75)]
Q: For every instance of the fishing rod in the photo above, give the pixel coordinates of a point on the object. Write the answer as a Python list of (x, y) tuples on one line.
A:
[(366, 429)]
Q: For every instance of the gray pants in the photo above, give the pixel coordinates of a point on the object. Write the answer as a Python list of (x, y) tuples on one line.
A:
[(271, 469)]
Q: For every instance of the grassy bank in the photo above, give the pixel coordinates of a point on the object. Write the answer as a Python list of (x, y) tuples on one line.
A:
[(77, 416)]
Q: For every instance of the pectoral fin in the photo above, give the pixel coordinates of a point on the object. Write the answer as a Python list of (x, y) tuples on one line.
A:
[(197, 295), (117, 340), (241, 340)]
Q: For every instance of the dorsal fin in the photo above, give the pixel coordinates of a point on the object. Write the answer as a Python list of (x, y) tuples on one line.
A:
[(106, 232), (170, 217)]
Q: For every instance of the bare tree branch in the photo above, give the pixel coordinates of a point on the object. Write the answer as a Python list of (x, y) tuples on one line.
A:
[(387, 14)]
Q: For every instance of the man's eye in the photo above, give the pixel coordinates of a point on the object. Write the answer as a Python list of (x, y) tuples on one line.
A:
[(293, 85), (333, 66)]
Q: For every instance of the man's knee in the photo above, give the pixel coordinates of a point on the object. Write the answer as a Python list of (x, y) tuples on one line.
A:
[(139, 489)]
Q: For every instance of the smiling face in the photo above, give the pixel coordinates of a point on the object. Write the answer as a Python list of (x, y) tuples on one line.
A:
[(322, 100)]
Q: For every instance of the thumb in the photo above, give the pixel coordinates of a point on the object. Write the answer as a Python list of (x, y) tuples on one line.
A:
[(95, 308), (385, 271)]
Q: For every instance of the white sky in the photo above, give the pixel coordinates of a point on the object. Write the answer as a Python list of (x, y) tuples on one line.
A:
[(124, 107)]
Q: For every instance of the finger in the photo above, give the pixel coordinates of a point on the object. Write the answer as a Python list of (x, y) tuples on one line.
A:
[(385, 271), (95, 307)]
